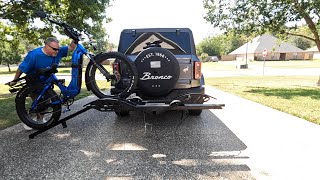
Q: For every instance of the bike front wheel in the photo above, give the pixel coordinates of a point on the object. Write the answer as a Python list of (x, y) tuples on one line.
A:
[(113, 74), (47, 110)]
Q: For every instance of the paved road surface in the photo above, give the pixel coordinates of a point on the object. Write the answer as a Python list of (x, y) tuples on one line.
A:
[(244, 140)]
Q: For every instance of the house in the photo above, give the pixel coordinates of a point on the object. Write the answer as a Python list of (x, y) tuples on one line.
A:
[(312, 53), (276, 50)]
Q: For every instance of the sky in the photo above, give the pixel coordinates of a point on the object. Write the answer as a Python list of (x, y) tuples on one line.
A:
[(127, 14)]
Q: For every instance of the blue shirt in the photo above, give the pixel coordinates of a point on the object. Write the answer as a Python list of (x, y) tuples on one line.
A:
[(36, 59)]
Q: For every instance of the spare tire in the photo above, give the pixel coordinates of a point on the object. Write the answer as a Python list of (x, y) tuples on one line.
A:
[(158, 71)]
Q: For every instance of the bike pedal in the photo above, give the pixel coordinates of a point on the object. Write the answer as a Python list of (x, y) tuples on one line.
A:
[(66, 110)]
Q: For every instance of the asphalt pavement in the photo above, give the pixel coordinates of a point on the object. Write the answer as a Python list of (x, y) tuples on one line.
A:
[(99, 145), (244, 140)]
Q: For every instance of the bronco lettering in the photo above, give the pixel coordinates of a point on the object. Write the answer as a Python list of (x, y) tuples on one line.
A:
[(147, 76)]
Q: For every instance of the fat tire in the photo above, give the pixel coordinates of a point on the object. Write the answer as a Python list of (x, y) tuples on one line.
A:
[(165, 65), (91, 82), (22, 111)]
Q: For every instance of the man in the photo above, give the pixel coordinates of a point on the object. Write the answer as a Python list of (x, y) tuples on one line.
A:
[(42, 57)]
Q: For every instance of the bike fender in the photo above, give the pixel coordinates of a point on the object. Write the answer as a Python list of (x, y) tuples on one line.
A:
[(87, 76)]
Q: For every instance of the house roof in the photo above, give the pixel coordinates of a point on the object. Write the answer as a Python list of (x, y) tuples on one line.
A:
[(266, 41)]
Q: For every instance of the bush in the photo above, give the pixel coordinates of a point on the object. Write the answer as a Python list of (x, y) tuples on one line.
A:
[(204, 57)]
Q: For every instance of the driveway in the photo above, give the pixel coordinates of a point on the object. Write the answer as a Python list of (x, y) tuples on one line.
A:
[(279, 145), (245, 140)]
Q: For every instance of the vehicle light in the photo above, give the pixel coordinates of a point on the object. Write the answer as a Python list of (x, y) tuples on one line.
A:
[(197, 70), (115, 67), (116, 71)]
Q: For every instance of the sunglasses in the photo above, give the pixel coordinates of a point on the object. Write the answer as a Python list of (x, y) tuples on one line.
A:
[(55, 49)]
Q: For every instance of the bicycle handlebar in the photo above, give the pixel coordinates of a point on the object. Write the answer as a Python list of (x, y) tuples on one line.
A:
[(71, 32), (68, 30)]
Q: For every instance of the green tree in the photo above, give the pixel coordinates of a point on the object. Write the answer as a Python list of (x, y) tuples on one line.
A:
[(82, 14), (10, 47), (204, 57), (209, 46), (301, 42), (221, 44), (256, 16), (66, 42), (18, 19)]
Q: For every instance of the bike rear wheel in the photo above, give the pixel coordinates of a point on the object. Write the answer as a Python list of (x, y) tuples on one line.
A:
[(113, 72), (45, 112)]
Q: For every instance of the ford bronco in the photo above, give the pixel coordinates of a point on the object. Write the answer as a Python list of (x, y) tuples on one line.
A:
[(167, 64)]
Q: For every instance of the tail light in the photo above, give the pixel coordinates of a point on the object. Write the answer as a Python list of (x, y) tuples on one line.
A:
[(197, 70), (116, 71), (115, 67)]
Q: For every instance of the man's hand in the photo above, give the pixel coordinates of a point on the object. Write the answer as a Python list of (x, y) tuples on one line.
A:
[(72, 46), (11, 83)]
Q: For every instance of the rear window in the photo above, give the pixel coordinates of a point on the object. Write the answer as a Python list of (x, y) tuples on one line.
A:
[(175, 43)]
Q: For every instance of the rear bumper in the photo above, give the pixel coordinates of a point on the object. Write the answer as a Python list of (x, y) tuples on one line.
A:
[(174, 93)]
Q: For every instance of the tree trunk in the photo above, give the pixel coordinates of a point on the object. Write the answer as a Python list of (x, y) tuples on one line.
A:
[(9, 67), (318, 45), (314, 30), (317, 41)]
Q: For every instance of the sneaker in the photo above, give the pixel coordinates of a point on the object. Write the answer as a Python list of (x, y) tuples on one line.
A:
[(27, 127), (42, 120)]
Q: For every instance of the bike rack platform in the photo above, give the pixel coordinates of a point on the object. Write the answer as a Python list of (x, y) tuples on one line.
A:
[(112, 103)]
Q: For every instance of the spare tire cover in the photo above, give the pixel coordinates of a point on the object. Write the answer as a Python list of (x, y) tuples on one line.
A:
[(158, 71)]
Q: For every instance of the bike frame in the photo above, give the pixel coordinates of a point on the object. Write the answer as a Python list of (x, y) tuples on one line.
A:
[(74, 87)]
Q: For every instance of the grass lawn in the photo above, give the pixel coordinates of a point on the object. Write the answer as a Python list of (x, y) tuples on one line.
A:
[(296, 95), (5, 70), (8, 115)]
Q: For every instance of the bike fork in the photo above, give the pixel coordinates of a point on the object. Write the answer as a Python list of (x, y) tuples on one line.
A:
[(100, 67)]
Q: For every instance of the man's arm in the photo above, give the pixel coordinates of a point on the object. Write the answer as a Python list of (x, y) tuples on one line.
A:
[(17, 75), (72, 46)]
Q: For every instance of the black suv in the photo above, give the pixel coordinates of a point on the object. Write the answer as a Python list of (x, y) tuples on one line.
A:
[(167, 64)]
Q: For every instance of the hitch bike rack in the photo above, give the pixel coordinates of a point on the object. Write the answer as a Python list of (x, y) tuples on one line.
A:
[(191, 101)]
